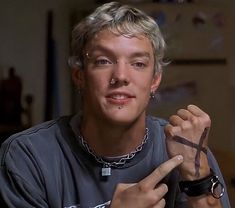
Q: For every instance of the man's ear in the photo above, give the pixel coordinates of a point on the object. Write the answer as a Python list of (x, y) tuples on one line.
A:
[(78, 78), (156, 82)]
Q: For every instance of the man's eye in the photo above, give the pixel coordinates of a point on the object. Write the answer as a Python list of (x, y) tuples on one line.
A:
[(139, 65), (100, 62)]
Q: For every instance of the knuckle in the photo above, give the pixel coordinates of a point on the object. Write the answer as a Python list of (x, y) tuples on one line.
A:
[(179, 111), (194, 121), (207, 119), (183, 112), (185, 125), (143, 187), (173, 118), (152, 198)]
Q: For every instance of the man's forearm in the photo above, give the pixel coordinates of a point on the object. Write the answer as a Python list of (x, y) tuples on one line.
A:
[(205, 201)]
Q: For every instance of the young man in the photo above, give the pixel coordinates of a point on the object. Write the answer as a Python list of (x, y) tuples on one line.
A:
[(111, 154)]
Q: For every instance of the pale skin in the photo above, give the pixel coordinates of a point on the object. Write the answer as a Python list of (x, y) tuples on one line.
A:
[(130, 61), (149, 192), (189, 123)]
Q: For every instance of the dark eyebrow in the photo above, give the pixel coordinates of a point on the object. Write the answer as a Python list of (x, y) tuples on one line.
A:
[(99, 48), (140, 54), (136, 54)]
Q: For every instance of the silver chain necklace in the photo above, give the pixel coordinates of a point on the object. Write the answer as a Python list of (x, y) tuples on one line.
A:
[(106, 169)]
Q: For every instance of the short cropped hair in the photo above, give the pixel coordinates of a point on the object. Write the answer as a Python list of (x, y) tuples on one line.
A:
[(119, 19)]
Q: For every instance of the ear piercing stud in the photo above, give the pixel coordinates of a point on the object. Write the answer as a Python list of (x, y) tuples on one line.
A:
[(152, 95)]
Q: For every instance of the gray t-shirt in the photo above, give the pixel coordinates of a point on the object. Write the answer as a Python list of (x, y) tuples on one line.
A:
[(46, 166)]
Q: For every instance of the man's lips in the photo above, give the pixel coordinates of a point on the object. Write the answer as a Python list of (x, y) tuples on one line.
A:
[(119, 98)]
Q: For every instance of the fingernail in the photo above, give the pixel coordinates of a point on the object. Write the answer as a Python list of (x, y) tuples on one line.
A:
[(180, 157)]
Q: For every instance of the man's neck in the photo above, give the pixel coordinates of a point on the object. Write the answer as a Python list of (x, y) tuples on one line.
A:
[(113, 140)]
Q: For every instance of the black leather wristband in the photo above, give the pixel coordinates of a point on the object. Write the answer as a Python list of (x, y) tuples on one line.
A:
[(207, 185)]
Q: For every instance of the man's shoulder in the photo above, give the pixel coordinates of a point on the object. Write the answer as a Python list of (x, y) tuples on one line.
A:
[(34, 131), (37, 137)]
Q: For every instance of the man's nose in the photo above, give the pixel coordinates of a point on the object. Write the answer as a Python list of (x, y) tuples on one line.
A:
[(121, 73)]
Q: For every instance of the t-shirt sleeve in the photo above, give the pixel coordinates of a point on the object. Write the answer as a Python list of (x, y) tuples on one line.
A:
[(20, 181)]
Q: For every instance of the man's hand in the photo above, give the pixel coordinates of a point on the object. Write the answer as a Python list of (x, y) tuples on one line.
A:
[(187, 134), (149, 192)]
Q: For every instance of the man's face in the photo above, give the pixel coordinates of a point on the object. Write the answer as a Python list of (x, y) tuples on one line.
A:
[(129, 63)]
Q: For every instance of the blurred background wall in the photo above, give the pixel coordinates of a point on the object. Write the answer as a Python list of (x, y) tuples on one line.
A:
[(23, 45)]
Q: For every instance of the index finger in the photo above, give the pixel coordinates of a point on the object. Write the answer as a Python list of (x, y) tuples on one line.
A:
[(160, 172)]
